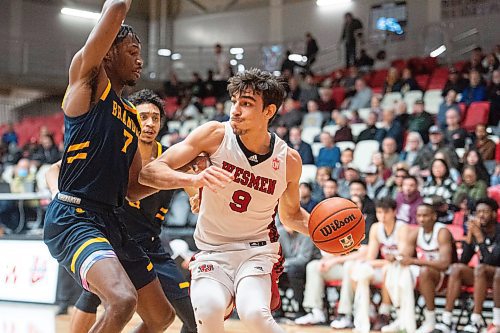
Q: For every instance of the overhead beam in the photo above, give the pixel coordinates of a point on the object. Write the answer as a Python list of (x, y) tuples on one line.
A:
[(229, 5), (199, 6)]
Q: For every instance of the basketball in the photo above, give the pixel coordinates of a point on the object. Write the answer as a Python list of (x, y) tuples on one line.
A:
[(337, 226)]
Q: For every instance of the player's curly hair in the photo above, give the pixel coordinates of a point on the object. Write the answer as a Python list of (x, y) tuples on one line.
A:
[(124, 31), (270, 87), (146, 96)]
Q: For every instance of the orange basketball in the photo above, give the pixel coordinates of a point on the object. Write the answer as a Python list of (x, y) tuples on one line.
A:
[(337, 226)]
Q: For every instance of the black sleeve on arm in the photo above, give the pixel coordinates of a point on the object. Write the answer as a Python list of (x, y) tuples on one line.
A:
[(468, 252), (490, 258)]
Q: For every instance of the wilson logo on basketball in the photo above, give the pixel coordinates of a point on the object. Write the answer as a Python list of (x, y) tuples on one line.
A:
[(336, 225), (347, 241)]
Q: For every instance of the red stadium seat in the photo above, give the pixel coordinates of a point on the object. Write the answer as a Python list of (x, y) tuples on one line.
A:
[(377, 90), (422, 80), (209, 101), (459, 65), (399, 64), (378, 78), (463, 110), (477, 113), (429, 64), (338, 95)]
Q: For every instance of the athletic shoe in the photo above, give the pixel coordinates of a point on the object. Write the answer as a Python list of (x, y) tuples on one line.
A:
[(316, 316), (442, 328), (393, 327), (427, 326), (342, 322), (380, 321), (473, 327)]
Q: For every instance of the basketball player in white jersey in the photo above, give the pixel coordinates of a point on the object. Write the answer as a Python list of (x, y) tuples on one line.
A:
[(236, 233), (384, 244), (434, 246)]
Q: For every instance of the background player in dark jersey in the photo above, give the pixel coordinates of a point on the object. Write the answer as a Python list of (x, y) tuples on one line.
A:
[(143, 220), (99, 168)]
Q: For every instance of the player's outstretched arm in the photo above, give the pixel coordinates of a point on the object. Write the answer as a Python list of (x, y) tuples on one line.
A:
[(100, 39), (161, 173), (135, 190), (291, 214)]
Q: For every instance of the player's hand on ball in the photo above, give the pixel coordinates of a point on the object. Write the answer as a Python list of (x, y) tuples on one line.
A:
[(194, 201), (214, 178)]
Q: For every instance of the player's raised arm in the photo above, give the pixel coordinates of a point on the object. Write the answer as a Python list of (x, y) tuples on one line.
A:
[(291, 214), (162, 174), (100, 40)]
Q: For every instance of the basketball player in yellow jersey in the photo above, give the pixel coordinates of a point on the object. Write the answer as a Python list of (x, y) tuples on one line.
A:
[(239, 261)]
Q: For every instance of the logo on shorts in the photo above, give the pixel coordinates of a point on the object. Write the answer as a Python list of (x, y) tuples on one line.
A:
[(259, 268), (205, 268), (276, 163), (347, 241)]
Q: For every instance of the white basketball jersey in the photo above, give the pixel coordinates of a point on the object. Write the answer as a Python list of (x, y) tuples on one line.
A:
[(427, 244), (243, 213), (388, 243)]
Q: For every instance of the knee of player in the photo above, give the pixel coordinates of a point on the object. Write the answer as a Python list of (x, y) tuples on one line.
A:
[(456, 270), (496, 278), (205, 310), (254, 316), (425, 273), (122, 303), (480, 271)]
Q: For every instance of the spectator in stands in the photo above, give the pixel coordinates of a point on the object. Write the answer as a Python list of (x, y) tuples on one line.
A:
[(450, 102), (402, 115), (172, 86), (197, 86), (332, 268), (375, 104), (346, 157), (48, 152), (10, 135), (364, 61), (306, 200), (493, 95), (291, 115), (361, 98), (408, 83), (311, 51), (313, 117), (454, 135), (222, 66), (378, 161), (351, 174), (394, 184), (475, 91), (298, 250), (308, 91), (389, 151), (473, 157), (390, 128), (483, 238), (455, 82), (420, 121), (288, 66), (495, 177), (358, 188), (350, 31), (381, 61), (294, 88), (444, 154), (439, 182), (475, 63), (349, 81), (372, 131), (425, 156), (304, 149), (436, 251), (392, 82), (326, 102), (220, 114), (330, 189), (322, 175), (485, 146), (490, 64), (408, 200), (413, 145), (329, 154), (343, 133), (386, 237), (472, 187), (374, 183)]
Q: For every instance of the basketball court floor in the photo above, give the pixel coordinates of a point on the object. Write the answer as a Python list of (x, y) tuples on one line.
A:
[(35, 318)]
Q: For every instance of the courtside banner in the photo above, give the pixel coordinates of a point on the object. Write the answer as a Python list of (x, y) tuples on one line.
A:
[(28, 273)]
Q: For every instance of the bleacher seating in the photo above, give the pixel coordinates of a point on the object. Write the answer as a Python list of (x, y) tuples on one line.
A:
[(477, 113)]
